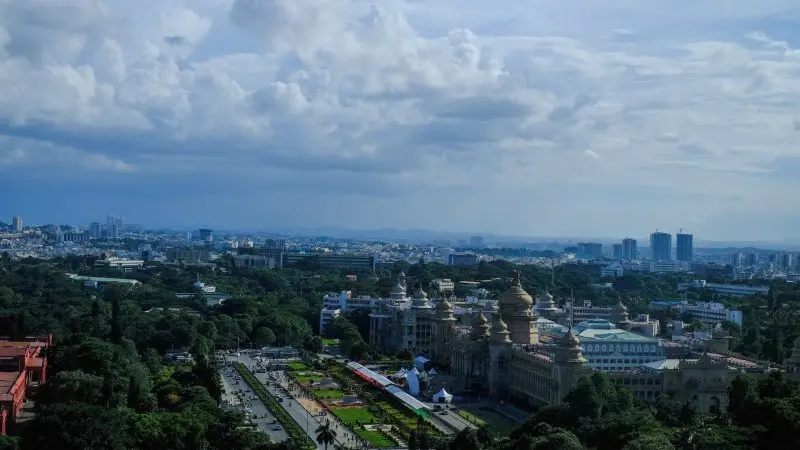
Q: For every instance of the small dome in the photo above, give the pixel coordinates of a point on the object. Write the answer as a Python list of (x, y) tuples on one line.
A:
[(515, 296), (619, 307), (480, 320), (443, 305), (420, 294), (498, 325), (569, 340)]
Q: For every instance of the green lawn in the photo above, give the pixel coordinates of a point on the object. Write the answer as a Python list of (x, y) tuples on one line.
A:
[(329, 394), (330, 342), (496, 422), (307, 377), (375, 438), (354, 416), (296, 366), (471, 417)]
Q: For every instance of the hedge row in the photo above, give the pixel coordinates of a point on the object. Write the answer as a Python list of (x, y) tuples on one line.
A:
[(296, 433)]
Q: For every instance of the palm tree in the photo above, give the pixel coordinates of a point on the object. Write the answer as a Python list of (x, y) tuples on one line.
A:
[(325, 434)]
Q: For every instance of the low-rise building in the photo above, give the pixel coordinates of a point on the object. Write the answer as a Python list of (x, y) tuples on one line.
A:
[(120, 264), (22, 364), (710, 313), (443, 285), (735, 290)]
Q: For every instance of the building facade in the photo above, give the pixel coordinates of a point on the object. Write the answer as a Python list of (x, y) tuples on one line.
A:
[(684, 247), (660, 246), (629, 251)]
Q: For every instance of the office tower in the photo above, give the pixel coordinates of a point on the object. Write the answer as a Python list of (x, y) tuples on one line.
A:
[(113, 231), (95, 230), (661, 246), (629, 251), (684, 246), (590, 250), (206, 235), (616, 251), (750, 259), (736, 259), (784, 261), (16, 224)]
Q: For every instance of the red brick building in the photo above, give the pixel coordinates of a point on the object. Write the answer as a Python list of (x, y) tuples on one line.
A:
[(21, 364)]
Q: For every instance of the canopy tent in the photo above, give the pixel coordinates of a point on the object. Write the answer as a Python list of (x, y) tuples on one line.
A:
[(400, 373), (442, 396), (433, 372), (413, 384), (419, 362), (413, 371)]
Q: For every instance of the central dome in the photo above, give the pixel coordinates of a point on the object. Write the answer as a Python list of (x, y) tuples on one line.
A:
[(515, 296)]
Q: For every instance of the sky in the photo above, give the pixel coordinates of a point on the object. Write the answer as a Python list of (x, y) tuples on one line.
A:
[(515, 117)]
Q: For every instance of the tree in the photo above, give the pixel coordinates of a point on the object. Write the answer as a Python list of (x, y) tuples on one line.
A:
[(263, 337), (325, 434)]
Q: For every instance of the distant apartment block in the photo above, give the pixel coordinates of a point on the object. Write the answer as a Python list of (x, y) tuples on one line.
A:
[(611, 270), (660, 246), (735, 290), (206, 235), (333, 305), (710, 313), (590, 250), (443, 285), (462, 259), (616, 251), (76, 238), (332, 261), (120, 264), (663, 266), (188, 254), (476, 241), (96, 230), (16, 224), (684, 249), (257, 262), (712, 270), (629, 251)]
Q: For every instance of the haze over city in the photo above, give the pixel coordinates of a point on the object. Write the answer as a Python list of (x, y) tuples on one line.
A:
[(533, 118)]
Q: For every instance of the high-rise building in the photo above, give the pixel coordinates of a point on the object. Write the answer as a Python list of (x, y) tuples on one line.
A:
[(661, 246), (95, 230), (684, 243), (16, 224), (616, 251), (590, 250), (629, 251), (206, 235), (736, 259), (750, 259)]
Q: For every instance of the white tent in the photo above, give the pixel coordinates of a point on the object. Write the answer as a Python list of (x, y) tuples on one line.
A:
[(442, 397), (400, 373), (414, 371), (432, 372)]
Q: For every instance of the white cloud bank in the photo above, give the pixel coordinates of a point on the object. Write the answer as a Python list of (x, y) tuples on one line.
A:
[(590, 118)]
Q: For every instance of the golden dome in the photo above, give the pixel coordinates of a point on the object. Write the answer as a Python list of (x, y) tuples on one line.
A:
[(443, 305), (569, 340), (619, 307), (498, 325), (515, 296)]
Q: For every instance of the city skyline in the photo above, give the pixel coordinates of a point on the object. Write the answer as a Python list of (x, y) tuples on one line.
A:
[(527, 120)]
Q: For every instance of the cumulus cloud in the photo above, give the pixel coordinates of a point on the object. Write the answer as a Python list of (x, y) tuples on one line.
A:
[(424, 103)]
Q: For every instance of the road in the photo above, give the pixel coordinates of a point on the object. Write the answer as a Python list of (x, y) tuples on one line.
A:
[(265, 424), (307, 421)]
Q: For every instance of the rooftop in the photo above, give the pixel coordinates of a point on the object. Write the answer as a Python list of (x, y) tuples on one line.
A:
[(599, 330)]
